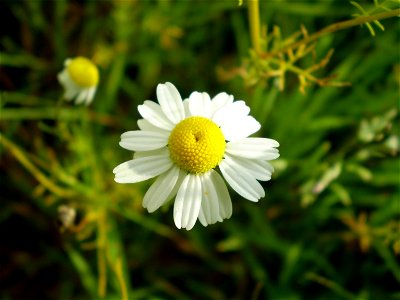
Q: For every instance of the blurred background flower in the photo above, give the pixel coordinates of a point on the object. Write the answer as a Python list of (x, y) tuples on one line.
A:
[(79, 78)]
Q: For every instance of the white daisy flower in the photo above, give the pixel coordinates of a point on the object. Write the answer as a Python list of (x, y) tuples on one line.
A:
[(183, 143), (79, 77)]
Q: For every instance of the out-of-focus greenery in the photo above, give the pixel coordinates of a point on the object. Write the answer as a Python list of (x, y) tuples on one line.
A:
[(329, 225)]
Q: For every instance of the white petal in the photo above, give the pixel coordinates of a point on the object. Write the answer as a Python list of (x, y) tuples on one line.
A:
[(231, 112), (186, 108), (140, 140), (224, 199), (259, 169), (90, 95), (63, 77), (159, 191), (152, 112), (188, 202), (243, 183), (67, 61), (254, 148), (71, 89), (219, 101), (70, 93), (141, 169), (209, 202), (157, 152), (202, 218), (171, 102), (182, 176), (147, 126), (239, 128), (200, 104), (82, 96)]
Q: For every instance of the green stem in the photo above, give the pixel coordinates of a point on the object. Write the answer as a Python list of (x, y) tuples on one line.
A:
[(121, 280), (254, 22), (101, 256), (42, 178), (63, 114), (332, 28)]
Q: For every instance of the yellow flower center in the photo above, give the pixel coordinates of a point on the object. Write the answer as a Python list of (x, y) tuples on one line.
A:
[(83, 72), (196, 145)]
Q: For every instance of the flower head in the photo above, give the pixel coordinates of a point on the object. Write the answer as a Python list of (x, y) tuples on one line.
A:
[(184, 143), (79, 77)]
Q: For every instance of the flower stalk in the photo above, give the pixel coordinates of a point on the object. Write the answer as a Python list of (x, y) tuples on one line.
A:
[(22, 157), (333, 28), (254, 22)]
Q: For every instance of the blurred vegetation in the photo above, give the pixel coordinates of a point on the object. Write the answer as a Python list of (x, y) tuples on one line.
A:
[(329, 226)]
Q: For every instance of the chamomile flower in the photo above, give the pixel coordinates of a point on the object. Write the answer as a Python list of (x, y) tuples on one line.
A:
[(79, 77), (184, 143)]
